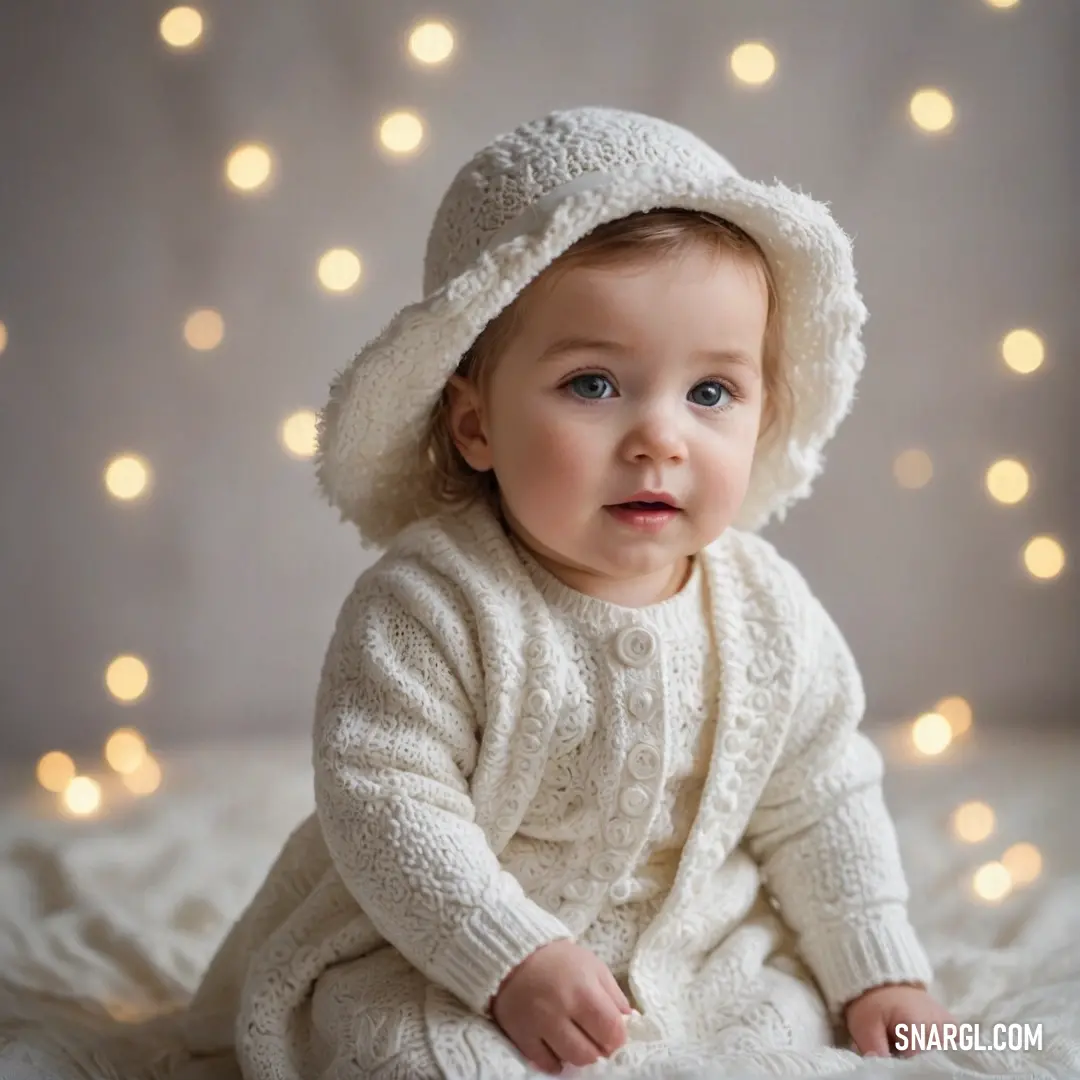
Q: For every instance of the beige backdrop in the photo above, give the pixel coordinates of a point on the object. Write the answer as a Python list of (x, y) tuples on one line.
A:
[(115, 224)]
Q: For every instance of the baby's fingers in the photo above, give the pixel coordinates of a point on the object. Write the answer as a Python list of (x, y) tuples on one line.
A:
[(871, 1037), (573, 1046), (600, 1020), (538, 1052)]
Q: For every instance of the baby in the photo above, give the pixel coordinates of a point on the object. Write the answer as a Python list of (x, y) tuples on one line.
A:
[(590, 789)]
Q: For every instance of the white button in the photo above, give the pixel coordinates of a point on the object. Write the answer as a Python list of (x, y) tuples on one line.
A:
[(634, 800), (635, 646), (619, 833), (605, 866), (641, 702), (643, 762), (620, 891)]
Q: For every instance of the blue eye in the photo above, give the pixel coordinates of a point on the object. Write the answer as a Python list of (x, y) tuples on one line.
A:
[(588, 380), (590, 387), (716, 392)]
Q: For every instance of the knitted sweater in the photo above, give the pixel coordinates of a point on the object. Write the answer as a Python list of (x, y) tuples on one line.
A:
[(690, 669), (501, 761)]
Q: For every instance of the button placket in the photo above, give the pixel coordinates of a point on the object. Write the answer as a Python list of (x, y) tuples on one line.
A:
[(634, 647)]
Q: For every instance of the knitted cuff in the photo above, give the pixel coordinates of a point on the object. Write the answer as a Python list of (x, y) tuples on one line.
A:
[(848, 958), (490, 944)]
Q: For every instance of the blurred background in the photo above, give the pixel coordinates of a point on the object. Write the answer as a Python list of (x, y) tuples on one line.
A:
[(206, 211)]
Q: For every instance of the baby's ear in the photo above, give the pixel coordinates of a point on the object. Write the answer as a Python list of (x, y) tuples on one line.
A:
[(456, 385), (460, 396), (465, 419)]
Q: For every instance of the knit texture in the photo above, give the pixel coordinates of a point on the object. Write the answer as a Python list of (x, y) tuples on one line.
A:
[(501, 761), (508, 214)]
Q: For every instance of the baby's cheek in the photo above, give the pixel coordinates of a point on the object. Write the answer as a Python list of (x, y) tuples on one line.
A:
[(561, 454), (730, 464)]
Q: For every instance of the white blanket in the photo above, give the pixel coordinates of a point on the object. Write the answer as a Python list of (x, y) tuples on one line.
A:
[(109, 922)]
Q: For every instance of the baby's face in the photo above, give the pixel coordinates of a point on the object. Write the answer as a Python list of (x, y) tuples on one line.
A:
[(656, 386)]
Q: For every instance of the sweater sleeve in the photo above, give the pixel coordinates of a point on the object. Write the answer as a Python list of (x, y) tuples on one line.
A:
[(396, 740), (824, 838)]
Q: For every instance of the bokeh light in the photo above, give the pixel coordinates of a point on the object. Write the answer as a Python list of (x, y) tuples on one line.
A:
[(181, 28), (1044, 557), (1024, 863), (1007, 481), (401, 132), (55, 771), (299, 434), (127, 678), (204, 329), (82, 796), (1002, 3), (339, 269), (753, 63), (431, 42), (125, 750), (913, 469), (1023, 351), (931, 110), (957, 711), (992, 882), (127, 477), (3, 337), (248, 166), (931, 734), (145, 779), (973, 822)]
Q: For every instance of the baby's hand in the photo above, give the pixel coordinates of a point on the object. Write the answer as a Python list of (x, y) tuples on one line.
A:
[(872, 1017), (562, 1005)]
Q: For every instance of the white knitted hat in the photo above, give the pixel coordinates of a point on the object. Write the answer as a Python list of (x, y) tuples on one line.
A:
[(508, 214)]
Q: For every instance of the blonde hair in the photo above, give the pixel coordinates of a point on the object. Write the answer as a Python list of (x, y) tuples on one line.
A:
[(653, 234)]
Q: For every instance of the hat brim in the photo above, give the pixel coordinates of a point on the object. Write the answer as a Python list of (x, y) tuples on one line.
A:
[(368, 463)]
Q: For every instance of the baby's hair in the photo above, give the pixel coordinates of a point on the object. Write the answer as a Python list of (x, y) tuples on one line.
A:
[(652, 234)]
